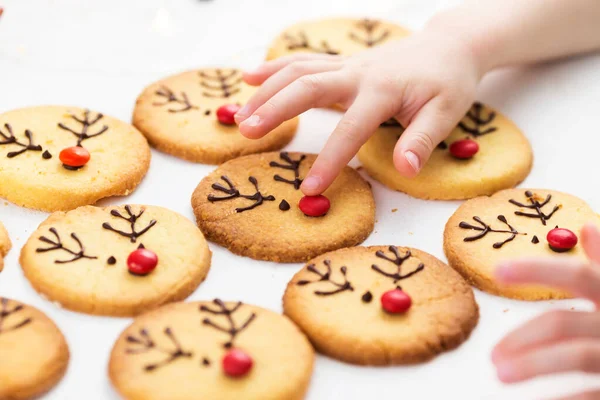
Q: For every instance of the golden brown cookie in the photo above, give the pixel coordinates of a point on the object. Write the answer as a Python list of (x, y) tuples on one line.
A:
[(503, 160), (119, 260), (59, 158), (381, 305), (33, 352), (512, 224), (344, 36), (180, 116), (211, 350), (250, 206), (5, 245)]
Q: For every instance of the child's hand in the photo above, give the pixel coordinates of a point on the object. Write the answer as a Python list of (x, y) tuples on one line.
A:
[(558, 341), (426, 81)]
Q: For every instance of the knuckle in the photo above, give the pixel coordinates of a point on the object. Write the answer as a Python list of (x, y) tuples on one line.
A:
[(584, 358), (423, 140), (297, 68), (269, 107), (310, 83), (383, 82), (348, 130)]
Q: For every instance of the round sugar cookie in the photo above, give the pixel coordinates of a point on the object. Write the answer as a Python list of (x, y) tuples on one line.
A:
[(250, 206), (34, 353), (343, 36), (344, 302), (32, 171), (180, 116), (211, 350), (504, 159), (512, 224), (5, 245), (89, 259)]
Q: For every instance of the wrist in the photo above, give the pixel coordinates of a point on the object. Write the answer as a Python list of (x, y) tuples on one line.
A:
[(470, 39)]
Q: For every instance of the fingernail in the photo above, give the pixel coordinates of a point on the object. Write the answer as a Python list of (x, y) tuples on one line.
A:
[(311, 183), (252, 121), (506, 372), (413, 160)]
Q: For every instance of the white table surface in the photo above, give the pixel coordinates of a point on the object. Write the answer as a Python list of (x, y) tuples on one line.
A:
[(100, 54)]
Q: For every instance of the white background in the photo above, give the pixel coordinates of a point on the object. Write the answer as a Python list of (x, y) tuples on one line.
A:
[(100, 54)]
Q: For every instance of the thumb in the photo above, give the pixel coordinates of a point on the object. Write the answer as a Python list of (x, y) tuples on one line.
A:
[(432, 124)]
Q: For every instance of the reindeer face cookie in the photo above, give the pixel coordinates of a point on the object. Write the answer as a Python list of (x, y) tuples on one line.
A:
[(5, 245), (34, 352), (118, 261), (190, 116), (485, 153), (59, 158), (342, 36), (381, 305), (514, 223), (250, 206), (215, 350)]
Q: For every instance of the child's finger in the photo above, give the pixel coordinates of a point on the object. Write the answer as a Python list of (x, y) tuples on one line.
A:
[(280, 80), (590, 240), (264, 71), (360, 121), (548, 328), (428, 128), (576, 355), (309, 91), (566, 273)]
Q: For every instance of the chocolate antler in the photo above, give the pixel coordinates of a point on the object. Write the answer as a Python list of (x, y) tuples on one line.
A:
[(398, 261), (232, 193), (57, 244), (143, 343), (368, 27), (87, 122), (474, 121), (132, 218), (6, 311), (293, 165), (9, 138), (485, 229), (326, 277), (171, 97), (300, 41), (221, 85), (536, 206), (231, 329)]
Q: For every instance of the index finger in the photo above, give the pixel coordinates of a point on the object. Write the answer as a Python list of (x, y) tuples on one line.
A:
[(567, 273)]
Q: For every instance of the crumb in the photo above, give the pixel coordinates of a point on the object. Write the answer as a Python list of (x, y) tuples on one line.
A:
[(394, 209), (505, 310), (410, 233), (572, 308)]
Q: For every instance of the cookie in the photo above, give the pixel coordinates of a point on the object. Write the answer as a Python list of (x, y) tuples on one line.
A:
[(190, 116), (118, 260), (343, 36), (251, 206), (504, 158), (220, 350), (34, 353), (56, 158), (5, 245), (513, 223), (381, 305)]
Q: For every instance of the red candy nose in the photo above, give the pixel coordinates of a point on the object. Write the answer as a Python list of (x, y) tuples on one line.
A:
[(237, 363), (142, 262), (314, 206), (561, 239), (396, 301), (75, 156), (226, 114), (464, 149)]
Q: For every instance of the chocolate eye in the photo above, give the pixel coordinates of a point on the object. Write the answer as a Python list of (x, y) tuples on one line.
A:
[(367, 297)]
